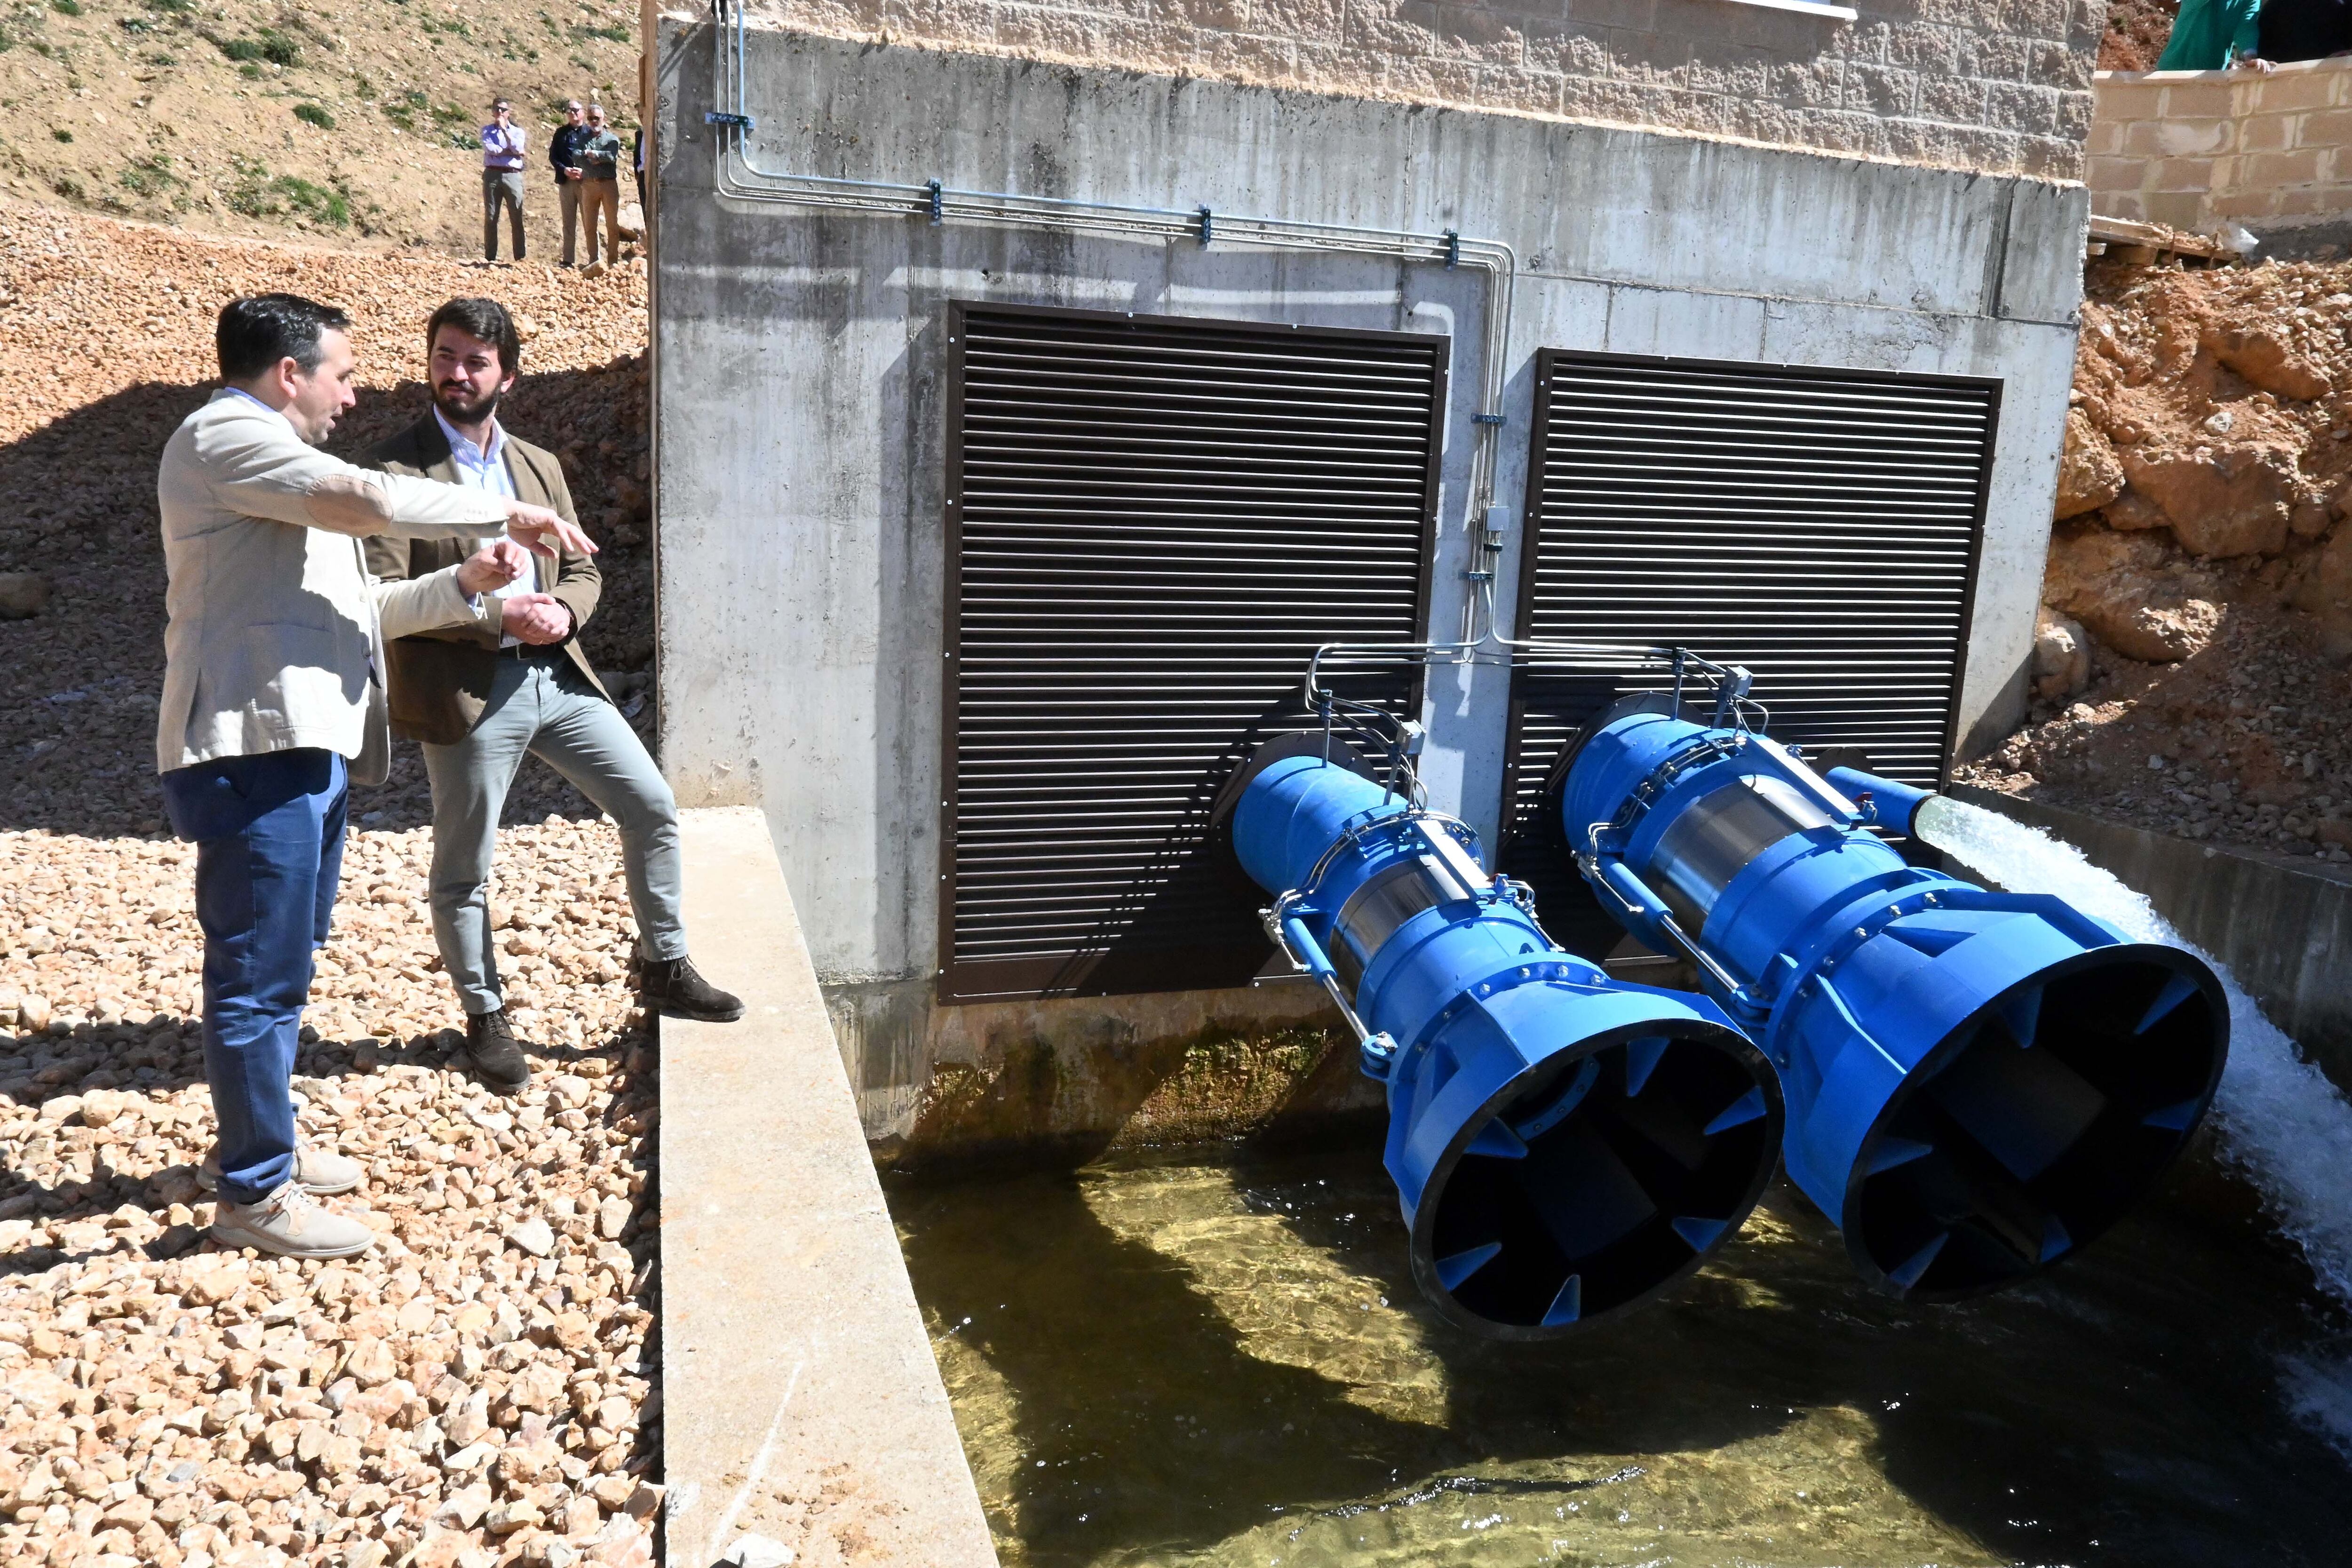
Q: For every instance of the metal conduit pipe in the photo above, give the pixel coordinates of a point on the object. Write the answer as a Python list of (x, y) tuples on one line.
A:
[(738, 177)]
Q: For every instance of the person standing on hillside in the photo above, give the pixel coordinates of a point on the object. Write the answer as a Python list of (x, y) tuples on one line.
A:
[(600, 159), (563, 156), (273, 703), (511, 679), (502, 165)]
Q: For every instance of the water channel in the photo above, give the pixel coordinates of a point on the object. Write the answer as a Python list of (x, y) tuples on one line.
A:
[(1216, 1357)]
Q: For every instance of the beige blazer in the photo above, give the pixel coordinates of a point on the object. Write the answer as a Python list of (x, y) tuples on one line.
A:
[(275, 633)]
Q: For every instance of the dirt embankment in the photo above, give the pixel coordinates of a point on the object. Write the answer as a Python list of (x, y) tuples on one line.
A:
[(105, 343), (2191, 667), (483, 1387), (346, 120), (2137, 32)]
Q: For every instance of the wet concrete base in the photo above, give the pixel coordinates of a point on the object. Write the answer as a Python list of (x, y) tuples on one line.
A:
[(1060, 1080)]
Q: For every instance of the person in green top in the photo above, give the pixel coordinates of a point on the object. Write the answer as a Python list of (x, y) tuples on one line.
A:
[(2209, 35)]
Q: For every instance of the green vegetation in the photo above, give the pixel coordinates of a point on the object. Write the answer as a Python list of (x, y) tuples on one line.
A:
[(62, 134), (171, 7), (269, 45), (67, 186), (66, 7), (149, 177), (311, 114), (363, 87), (611, 33), (137, 27), (451, 26), (260, 194)]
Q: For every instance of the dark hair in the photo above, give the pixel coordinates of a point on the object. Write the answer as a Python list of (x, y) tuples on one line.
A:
[(484, 319), (255, 332)]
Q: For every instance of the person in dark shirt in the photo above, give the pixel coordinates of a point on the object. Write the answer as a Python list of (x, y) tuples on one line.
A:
[(567, 156), (600, 158), (2305, 29)]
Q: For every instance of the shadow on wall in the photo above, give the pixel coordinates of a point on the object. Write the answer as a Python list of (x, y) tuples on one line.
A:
[(79, 681)]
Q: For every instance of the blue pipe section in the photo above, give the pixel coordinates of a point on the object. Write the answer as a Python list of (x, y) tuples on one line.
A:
[(1978, 1083), (1564, 1146)]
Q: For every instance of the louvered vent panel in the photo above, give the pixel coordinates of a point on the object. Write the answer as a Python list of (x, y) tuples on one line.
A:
[(1153, 522), (1818, 527)]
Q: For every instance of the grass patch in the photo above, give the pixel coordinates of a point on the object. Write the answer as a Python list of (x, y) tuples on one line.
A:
[(62, 134), (149, 176), (66, 7), (402, 110), (612, 33), (311, 114), (269, 45), (260, 194), (67, 186)]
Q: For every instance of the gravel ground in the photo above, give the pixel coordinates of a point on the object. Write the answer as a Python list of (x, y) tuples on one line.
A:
[(481, 1388)]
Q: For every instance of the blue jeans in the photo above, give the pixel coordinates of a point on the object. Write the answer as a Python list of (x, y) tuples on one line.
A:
[(268, 832)]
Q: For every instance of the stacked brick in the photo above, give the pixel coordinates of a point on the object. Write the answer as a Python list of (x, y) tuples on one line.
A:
[(1997, 86), (2200, 148)]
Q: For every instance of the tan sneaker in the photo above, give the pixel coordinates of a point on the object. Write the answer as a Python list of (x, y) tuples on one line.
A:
[(290, 1223), (323, 1172)]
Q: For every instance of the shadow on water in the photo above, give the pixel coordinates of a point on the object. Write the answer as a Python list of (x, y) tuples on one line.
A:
[(1227, 1362)]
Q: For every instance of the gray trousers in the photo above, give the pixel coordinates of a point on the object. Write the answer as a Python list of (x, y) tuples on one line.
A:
[(500, 189), (543, 706)]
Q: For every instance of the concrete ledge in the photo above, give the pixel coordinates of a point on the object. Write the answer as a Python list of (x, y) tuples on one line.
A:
[(800, 1399), (2286, 932)]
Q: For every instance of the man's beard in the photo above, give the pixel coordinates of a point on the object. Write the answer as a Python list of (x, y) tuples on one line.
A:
[(454, 409)]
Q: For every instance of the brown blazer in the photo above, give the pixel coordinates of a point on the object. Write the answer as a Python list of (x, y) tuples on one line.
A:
[(441, 679)]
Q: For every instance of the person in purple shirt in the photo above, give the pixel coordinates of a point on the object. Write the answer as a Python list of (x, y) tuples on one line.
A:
[(501, 178)]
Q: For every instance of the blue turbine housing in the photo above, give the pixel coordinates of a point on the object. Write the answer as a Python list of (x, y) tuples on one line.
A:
[(1978, 1083), (1564, 1146)]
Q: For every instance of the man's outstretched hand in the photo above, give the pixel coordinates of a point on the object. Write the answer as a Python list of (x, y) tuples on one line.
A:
[(492, 567), (545, 531), (535, 618)]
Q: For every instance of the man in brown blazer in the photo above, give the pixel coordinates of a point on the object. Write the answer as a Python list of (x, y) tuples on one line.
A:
[(514, 680)]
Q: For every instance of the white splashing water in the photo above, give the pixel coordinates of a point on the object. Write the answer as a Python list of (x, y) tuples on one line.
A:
[(2281, 1121)]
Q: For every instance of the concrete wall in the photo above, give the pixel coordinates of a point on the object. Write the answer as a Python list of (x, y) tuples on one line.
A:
[(2198, 149), (1995, 85), (800, 370)]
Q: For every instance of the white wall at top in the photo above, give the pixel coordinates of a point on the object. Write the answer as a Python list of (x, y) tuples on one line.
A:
[(799, 364)]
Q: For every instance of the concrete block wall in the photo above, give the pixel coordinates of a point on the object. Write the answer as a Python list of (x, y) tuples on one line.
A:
[(799, 368), (2000, 86), (2200, 149)]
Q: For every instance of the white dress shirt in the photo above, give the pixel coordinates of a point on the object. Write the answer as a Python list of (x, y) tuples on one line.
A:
[(482, 469)]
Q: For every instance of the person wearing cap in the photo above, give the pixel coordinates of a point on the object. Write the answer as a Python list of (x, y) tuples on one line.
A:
[(502, 163)]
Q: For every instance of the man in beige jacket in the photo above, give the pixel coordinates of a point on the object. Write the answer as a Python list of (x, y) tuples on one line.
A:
[(274, 700)]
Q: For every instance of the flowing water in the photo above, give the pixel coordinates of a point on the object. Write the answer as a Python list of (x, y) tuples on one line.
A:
[(1220, 1359)]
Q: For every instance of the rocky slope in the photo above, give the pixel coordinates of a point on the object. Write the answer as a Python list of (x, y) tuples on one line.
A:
[(335, 118), (482, 1389), (2191, 669), (2137, 32), (105, 343)]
